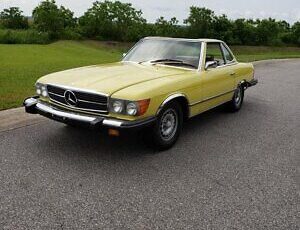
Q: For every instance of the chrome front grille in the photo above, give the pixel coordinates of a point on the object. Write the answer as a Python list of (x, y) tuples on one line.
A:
[(86, 101)]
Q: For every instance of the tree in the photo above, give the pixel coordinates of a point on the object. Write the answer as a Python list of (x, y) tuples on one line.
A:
[(200, 22), (12, 18), (268, 32), (167, 28), (112, 20), (49, 18), (284, 26), (222, 28), (68, 18), (296, 33), (244, 32)]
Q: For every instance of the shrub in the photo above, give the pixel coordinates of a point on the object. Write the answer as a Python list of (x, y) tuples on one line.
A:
[(23, 37), (70, 34)]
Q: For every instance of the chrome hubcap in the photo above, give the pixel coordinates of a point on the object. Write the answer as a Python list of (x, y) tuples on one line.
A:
[(168, 124), (238, 96)]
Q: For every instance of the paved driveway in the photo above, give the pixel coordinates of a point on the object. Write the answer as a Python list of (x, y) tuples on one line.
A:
[(228, 171)]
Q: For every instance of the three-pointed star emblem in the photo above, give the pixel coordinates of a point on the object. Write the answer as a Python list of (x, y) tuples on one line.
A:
[(71, 98)]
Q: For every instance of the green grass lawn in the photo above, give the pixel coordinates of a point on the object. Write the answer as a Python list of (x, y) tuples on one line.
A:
[(22, 65), (257, 53)]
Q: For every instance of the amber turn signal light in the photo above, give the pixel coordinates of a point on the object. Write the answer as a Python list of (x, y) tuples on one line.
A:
[(143, 106), (113, 132)]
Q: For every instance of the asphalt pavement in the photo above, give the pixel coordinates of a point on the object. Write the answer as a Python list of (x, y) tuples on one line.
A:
[(227, 171)]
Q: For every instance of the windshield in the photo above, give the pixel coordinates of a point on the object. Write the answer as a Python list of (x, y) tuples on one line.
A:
[(167, 52)]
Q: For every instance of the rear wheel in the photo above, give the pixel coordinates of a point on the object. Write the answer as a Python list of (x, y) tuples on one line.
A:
[(237, 101), (167, 129)]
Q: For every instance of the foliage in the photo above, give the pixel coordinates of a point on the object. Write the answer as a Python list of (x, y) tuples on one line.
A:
[(112, 20), (12, 18), (296, 33), (48, 17), (23, 37), (200, 22), (267, 32), (244, 32), (165, 28), (223, 28)]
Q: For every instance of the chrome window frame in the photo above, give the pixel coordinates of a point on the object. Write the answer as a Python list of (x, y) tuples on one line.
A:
[(233, 62)]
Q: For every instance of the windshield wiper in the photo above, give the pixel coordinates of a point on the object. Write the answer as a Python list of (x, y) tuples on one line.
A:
[(173, 61), (166, 60), (161, 60)]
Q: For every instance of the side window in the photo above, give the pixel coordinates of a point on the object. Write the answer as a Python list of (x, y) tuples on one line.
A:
[(227, 54), (214, 53)]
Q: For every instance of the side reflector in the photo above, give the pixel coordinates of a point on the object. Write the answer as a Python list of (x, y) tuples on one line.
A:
[(113, 132)]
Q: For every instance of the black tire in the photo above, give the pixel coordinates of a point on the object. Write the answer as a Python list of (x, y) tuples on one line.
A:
[(165, 133), (237, 100)]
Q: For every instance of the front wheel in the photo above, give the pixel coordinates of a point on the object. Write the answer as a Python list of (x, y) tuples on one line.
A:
[(237, 101), (168, 126)]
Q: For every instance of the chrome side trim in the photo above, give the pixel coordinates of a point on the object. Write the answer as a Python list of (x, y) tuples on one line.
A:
[(51, 110), (210, 98), (229, 64)]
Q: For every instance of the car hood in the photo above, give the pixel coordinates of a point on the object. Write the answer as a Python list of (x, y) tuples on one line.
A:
[(109, 78)]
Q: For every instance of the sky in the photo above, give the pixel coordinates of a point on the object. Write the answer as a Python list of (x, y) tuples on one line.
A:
[(288, 10)]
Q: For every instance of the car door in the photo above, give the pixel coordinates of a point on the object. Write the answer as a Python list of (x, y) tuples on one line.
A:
[(217, 80)]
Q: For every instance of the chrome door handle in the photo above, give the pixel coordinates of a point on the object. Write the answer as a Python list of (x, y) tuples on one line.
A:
[(233, 73)]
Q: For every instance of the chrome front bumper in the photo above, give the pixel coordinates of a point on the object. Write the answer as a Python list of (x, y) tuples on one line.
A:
[(34, 106)]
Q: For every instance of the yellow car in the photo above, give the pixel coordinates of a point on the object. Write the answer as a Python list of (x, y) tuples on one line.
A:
[(159, 83)]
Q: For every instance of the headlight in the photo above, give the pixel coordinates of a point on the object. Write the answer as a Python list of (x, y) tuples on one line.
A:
[(41, 90), (131, 109), (44, 91), (38, 91), (118, 106)]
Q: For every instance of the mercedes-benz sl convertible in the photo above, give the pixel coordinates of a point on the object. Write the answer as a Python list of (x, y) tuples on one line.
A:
[(160, 83)]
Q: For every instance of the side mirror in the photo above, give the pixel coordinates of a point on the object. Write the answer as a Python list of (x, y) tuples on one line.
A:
[(211, 64), (124, 54)]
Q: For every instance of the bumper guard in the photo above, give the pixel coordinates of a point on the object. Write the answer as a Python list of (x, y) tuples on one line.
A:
[(34, 106)]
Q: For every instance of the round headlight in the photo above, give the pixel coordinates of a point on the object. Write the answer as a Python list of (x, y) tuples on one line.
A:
[(38, 91), (44, 93), (117, 106), (131, 109)]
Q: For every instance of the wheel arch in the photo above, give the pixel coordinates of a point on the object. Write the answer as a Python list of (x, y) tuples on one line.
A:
[(181, 99)]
